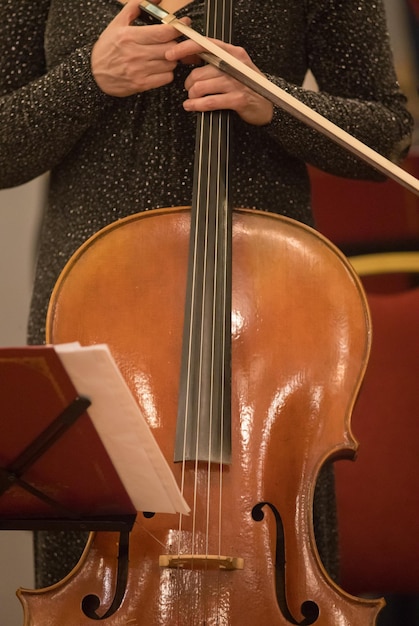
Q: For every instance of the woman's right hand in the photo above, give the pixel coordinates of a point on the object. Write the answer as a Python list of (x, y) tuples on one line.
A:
[(130, 59)]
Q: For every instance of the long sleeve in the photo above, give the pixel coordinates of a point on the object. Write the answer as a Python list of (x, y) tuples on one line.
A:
[(42, 113), (349, 54)]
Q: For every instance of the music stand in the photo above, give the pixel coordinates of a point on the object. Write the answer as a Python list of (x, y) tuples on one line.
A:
[(34, 493)]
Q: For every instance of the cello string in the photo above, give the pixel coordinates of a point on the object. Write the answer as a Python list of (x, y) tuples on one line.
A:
[(206, 279), (211, 205), (189, 371), (199, 164), (227, 285), (203, 210), (226, 339), (222, 226), (220, 275), (202, 213), (209, 118), (206, 285), (210, 30), (213, 326)]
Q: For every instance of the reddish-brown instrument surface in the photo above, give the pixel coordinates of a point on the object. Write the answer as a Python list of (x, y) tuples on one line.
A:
[(300, 342)]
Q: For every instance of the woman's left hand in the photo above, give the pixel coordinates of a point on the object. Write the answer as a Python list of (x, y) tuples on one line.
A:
[(210, 89)]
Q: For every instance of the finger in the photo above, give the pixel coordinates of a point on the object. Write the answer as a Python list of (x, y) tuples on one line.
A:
[(213, 102), (250, 107), (206, 72), (154, 81), (217, 85), (190, 48), (183, 50), (154, 34), (129, 12)]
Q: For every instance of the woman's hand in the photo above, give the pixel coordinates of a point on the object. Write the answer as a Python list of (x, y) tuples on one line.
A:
[(130, 59), (210, 89)]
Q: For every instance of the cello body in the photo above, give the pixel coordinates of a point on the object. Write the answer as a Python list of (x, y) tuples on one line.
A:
[(300, 343)]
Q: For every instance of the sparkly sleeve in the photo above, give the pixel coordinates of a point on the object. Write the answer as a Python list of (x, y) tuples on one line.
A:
[(350, 57), (42, 114)]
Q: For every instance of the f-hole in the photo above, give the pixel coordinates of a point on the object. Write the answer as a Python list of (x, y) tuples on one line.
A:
[(309, 609), (91, 602)]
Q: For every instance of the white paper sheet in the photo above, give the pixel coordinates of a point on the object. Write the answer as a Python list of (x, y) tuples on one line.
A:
[(122, 428)]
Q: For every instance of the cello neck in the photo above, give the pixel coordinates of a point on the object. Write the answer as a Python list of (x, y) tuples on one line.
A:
[(204, 415)]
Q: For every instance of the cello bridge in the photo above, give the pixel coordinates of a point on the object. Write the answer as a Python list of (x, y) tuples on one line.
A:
[(201, 561)]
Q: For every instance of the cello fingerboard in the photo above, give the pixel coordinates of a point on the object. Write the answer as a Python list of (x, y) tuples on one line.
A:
[(204, 411)]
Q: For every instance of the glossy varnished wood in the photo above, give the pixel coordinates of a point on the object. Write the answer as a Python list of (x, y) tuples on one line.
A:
[(300, 343)]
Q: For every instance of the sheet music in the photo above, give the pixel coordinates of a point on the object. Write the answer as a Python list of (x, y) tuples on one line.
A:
[(122, 428)]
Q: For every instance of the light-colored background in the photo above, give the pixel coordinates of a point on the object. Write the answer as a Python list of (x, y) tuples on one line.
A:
[(20, 212)]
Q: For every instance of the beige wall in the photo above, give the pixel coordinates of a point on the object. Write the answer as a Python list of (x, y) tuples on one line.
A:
[(20, 210), (407, 70)]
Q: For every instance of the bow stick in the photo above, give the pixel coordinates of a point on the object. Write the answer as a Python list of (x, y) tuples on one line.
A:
[(258, 82)]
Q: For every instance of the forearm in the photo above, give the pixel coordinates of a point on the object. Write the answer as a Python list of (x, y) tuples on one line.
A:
[(385, 126), (349, 54), (43, 120)]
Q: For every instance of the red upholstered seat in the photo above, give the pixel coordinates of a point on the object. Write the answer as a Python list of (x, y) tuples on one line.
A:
[(378, 494)]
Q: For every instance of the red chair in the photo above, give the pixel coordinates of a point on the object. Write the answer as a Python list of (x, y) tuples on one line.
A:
[(378, 494)]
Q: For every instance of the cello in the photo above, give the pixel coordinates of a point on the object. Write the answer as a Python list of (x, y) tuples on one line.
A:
[(286, 413)]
